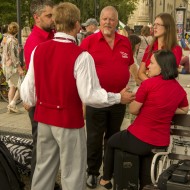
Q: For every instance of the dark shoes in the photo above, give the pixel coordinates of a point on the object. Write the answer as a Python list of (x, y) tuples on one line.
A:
[(91, 181), (107, 185)]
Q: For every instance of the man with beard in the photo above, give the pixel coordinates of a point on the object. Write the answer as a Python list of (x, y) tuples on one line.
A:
[(41, 32), (113, 56)]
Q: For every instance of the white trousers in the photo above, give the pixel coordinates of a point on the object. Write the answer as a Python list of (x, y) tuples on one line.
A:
[(64, 148)]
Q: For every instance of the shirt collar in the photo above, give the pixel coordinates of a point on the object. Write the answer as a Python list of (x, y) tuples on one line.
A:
[(45, 34), (64, 35), (117, 36), (100, 36)]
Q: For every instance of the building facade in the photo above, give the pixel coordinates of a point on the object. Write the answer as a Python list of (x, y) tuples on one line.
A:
[(148, 9)]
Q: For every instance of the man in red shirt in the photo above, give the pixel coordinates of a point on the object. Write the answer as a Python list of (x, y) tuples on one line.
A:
[(113, 56), (41, 32)]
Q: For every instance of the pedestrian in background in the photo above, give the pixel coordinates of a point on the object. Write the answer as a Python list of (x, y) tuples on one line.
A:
[(134, 81), (151, 128), (113, 56), (165, 37), (24, 34), (11, 65), (146, 40), (61, 139), (41, 32), (91, 25)]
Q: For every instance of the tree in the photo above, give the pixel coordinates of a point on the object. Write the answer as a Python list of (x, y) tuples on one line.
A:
[(124, 7), (89, 9), (8, 12)]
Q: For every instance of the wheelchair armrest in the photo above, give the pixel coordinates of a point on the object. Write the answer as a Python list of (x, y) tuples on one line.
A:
[(154, 164)]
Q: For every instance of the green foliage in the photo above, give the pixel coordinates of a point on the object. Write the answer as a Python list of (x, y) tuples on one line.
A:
[(124, 7), (8, 11), (89, 9)]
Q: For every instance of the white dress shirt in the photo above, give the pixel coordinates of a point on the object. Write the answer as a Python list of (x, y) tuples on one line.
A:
[(87, 82)]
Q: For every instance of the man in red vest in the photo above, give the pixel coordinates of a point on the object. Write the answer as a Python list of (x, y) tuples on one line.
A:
[(60, 75)]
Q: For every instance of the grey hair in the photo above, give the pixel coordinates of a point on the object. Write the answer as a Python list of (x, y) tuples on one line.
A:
[(109, 8), (37, 6)]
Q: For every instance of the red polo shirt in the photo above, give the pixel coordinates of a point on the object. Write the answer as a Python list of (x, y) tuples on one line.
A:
[(112, 65), (36, 37), (177, 51), (160, 100)]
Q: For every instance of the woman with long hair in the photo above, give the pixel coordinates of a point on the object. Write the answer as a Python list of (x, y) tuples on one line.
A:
[(165, 37)]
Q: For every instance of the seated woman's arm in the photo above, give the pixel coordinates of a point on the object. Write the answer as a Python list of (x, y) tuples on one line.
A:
[(142, 72), (183, 110), (134, 107)]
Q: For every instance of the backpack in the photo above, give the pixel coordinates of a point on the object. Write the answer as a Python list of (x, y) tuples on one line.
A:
[(10, 179)]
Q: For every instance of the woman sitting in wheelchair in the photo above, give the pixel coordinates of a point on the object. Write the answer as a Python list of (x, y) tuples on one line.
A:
[(157, 100)]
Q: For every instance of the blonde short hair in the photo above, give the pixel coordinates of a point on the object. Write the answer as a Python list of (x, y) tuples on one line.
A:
[(13, 28), (65, 16)]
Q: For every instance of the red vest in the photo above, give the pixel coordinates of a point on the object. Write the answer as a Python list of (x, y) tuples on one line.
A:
[(58, 102)]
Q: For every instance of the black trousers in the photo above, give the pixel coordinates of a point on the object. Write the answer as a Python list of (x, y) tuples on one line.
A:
[(34, 135), (101, 124), (125, 141)]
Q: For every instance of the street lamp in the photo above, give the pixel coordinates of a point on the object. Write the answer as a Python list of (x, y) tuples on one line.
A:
[(96, 7), (95, 11), (19, 32)]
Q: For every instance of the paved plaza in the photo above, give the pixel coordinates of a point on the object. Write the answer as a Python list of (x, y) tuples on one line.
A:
[(20, 122)]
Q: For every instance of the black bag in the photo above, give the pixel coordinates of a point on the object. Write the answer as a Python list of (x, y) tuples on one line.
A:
[(21, 151), (178, 186), (182, 173), (126, 170), (150, 187), (9, 177), (172, 174)]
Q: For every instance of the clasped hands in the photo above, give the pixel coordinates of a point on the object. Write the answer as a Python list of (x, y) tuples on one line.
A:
[(127, 96)]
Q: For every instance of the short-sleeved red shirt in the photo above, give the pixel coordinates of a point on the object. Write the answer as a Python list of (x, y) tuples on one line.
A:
[(36, 37), (177, 51), (112, 65), (160, 100)]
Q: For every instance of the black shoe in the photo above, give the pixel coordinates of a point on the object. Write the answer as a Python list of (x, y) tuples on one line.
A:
[(57, 187), (91, 181), (107, 186)]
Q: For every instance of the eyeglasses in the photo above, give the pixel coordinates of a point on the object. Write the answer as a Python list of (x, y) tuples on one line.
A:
[(157, 25)]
